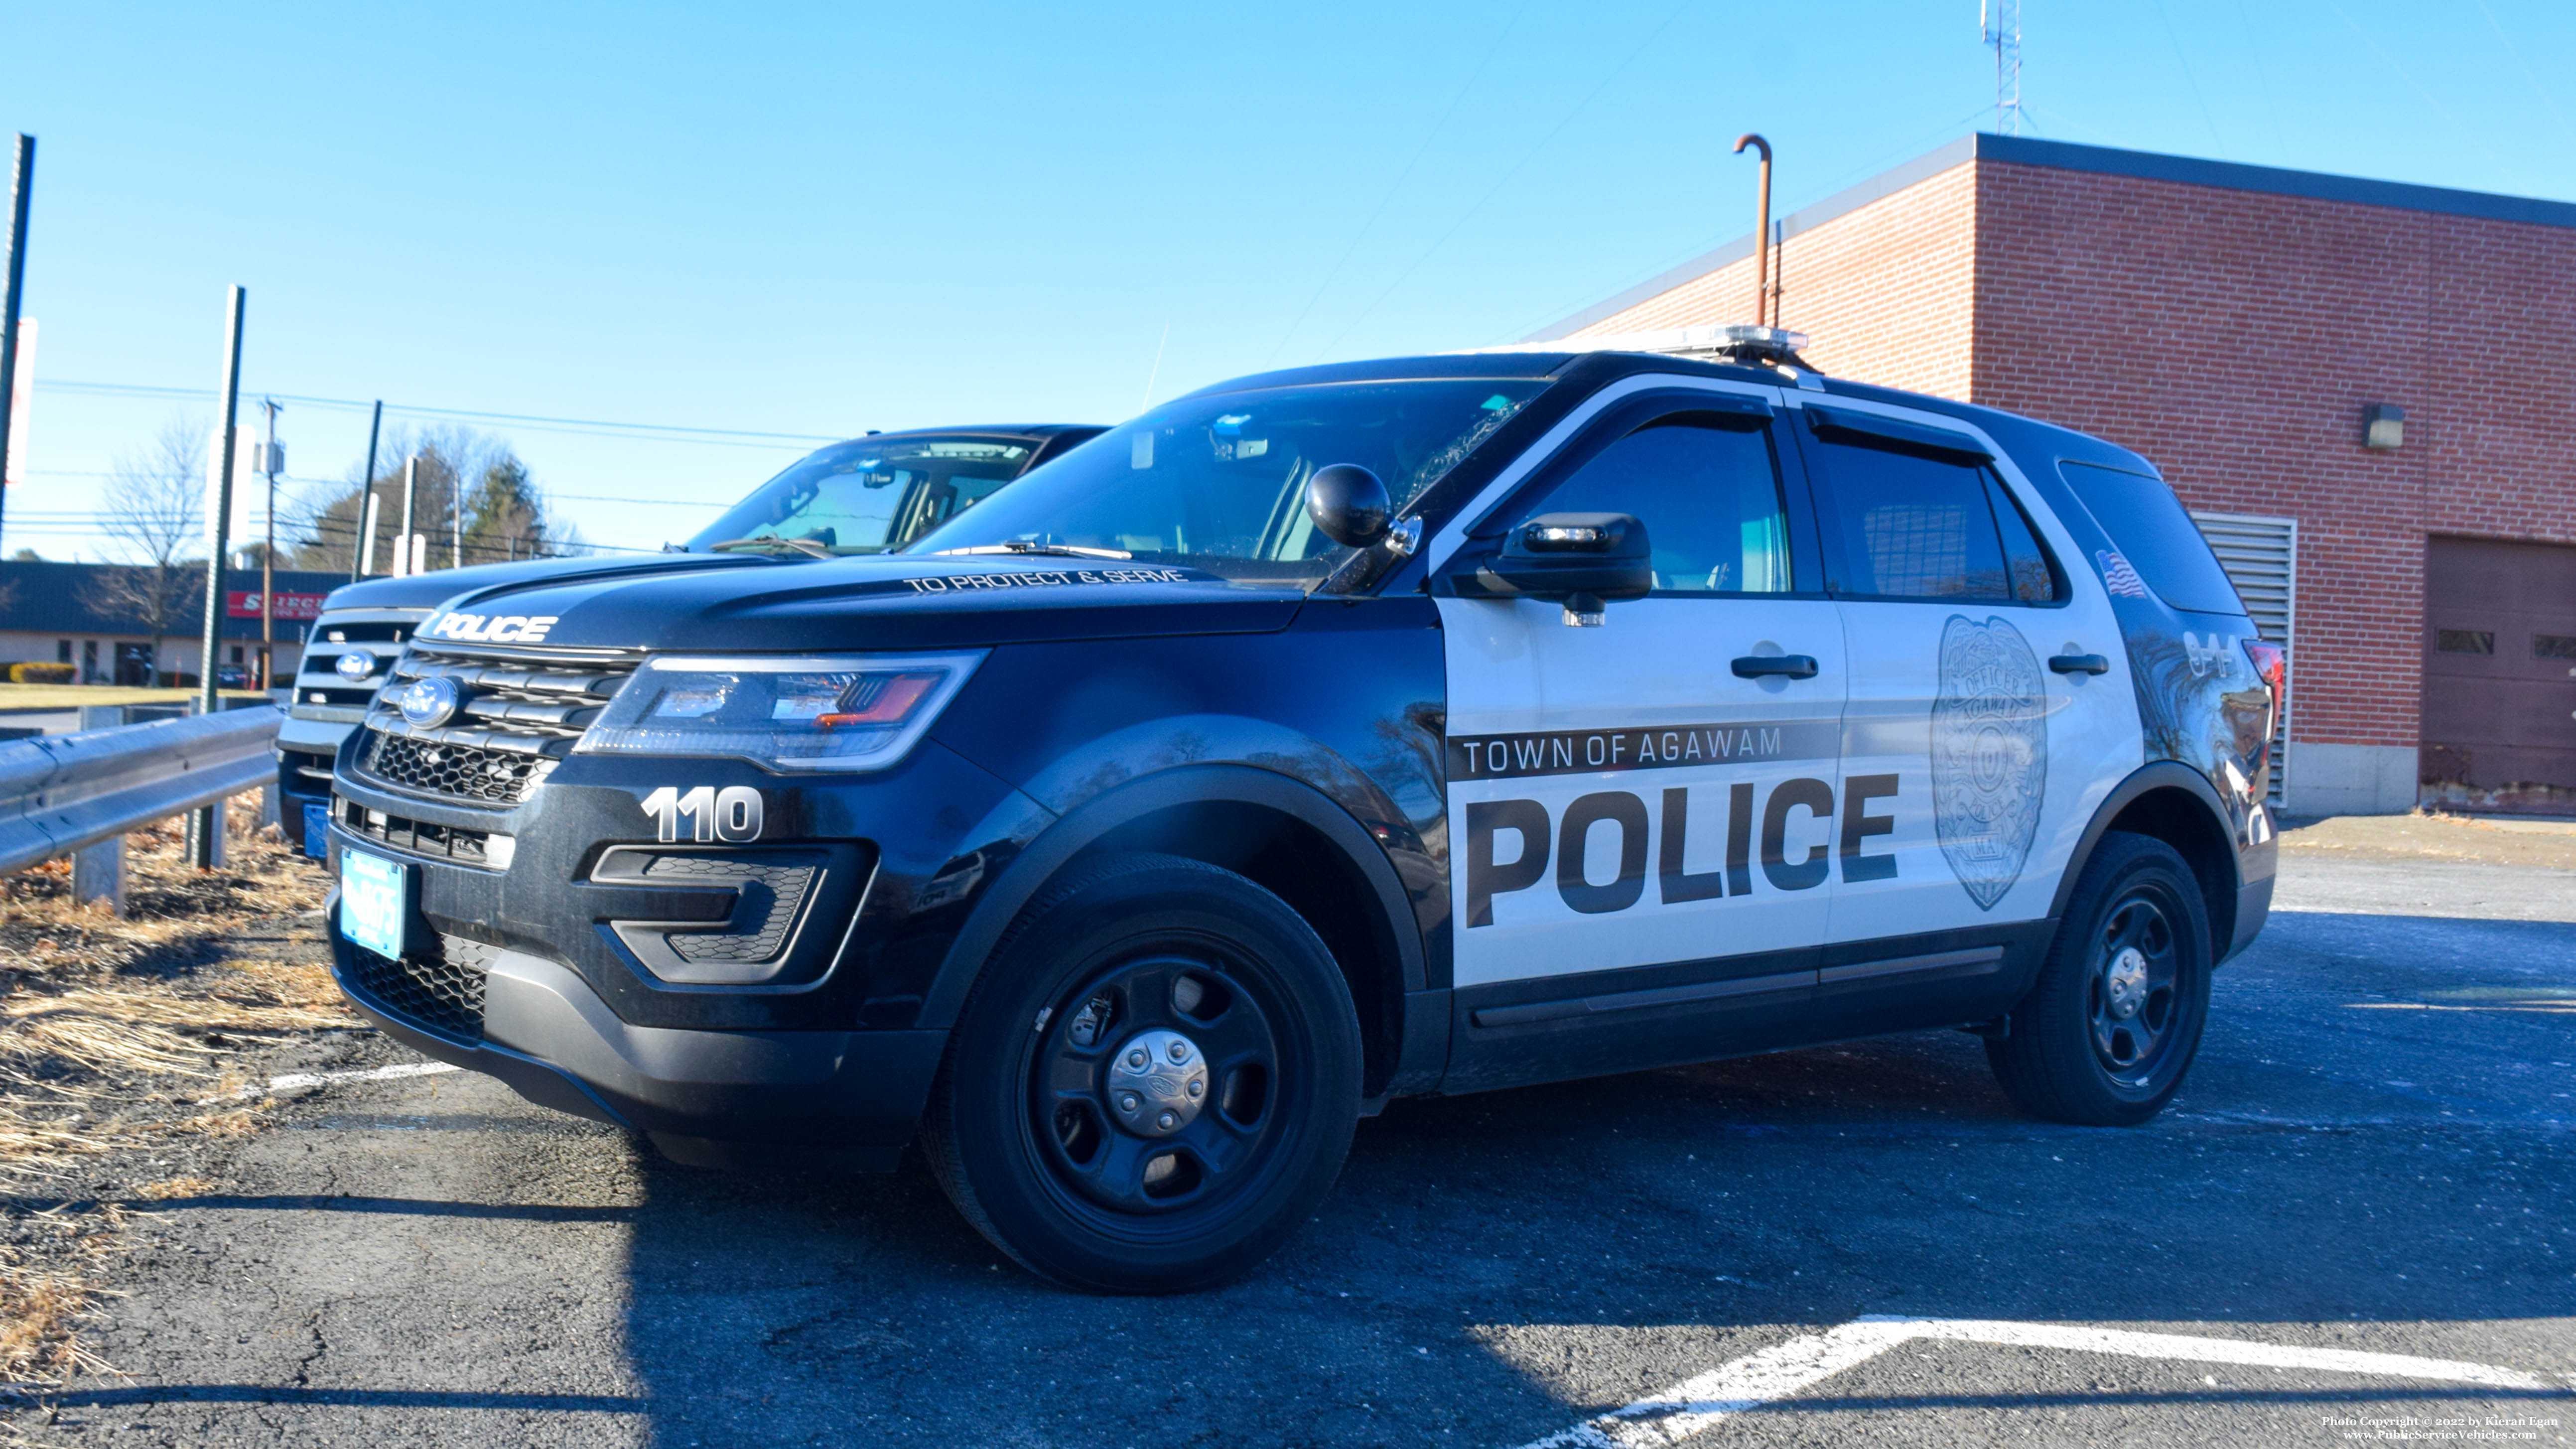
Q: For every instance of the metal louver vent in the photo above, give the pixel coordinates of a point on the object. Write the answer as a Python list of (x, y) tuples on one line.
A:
[(2261, 556)]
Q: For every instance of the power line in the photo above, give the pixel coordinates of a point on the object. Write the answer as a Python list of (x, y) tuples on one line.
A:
[(673, 432)]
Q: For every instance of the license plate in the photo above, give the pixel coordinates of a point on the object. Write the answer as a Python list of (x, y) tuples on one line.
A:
[(375, 902), (317, 830)]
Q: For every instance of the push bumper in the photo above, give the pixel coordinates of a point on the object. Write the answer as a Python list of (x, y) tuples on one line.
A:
[(842, 1099)]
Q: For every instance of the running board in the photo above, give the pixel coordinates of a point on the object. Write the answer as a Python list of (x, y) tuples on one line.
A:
[(1982, 960)]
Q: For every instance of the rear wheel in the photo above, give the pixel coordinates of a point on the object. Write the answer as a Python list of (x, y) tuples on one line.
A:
[(1153, 1084), (2114, 1020)]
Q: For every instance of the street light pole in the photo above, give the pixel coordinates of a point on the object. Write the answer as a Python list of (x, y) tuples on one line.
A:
[(219, 522), (268, 461), (363, 549), (20, 188)]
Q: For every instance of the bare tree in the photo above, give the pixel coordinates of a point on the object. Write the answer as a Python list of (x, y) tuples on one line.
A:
[(504, 513), (154, 514)]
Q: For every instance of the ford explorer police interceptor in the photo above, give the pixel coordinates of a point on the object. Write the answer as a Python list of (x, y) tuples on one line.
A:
[(1321, 737), (867, 495)]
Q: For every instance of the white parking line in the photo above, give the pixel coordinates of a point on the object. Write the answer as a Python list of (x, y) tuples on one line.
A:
[(294, 1080), (1788, 1368)]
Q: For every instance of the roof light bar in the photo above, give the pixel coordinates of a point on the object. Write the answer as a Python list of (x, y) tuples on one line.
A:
[(1733, 341)]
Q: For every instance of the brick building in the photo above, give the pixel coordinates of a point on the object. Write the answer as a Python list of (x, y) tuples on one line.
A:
[(2238, 325)]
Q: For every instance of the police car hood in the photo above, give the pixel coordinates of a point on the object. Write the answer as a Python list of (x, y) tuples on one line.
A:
[(429, 590), (890, 602)]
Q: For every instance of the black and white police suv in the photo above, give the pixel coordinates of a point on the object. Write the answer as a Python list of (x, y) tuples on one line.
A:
[(1323, 737), (866, 495)]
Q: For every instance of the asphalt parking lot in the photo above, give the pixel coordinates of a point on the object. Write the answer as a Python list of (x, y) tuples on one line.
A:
[(2354, 1227)]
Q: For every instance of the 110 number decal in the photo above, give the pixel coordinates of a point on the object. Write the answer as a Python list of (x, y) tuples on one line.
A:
[(732, 814)]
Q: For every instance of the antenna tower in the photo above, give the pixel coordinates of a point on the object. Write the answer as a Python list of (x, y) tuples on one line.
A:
[(1999, 26)]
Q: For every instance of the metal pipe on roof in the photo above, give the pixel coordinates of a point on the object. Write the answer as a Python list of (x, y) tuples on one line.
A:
[(1765, 300)]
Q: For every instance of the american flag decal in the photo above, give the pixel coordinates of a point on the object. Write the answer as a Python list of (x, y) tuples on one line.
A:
[(2118, 577)]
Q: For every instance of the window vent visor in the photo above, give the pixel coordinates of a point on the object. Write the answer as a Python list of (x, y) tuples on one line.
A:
[(1868, 430), (850, 712)]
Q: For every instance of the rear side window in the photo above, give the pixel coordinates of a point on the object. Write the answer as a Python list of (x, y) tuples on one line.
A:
[(1912, 525), (2156, 536)]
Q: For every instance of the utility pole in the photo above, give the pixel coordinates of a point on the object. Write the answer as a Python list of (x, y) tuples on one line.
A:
[(456, 525), (208, 820), (411, 499), (271, 457), (19, 189), (362, 551)]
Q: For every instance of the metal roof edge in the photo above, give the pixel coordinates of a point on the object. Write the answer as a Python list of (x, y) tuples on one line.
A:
[(2277, 180)]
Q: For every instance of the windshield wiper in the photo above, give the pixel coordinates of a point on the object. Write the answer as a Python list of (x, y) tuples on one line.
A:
[(1022, 545), (809, 547)]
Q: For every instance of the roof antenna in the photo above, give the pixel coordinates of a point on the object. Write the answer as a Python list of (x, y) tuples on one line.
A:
[(1766, 297), (1999, 27)]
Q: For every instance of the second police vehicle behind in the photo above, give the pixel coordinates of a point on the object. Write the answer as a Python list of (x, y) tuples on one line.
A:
[(1322, 737)]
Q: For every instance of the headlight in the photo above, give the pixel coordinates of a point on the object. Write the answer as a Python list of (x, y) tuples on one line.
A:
[(853, 712)]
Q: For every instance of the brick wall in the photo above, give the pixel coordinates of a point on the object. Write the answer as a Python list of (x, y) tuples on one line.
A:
[(2234, 337), (1886, 291)]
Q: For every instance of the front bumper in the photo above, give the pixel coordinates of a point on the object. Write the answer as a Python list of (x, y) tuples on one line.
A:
[(845, 1099)]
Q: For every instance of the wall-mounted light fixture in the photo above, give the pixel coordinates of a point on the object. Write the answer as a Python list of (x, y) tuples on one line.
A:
[(2383, 426)]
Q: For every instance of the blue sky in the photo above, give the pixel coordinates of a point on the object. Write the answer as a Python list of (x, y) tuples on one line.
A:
[(817, 220)]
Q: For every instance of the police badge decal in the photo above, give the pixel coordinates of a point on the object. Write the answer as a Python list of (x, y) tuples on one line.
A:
[(1989, 754)]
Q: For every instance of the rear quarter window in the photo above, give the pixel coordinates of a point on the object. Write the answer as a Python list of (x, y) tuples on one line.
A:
[(2149, 527)]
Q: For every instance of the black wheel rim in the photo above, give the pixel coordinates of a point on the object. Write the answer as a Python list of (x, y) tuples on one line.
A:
[(2134, 991), (1124, 1171)]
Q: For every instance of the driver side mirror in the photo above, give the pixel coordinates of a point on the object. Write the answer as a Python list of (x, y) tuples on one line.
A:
[(1348, 505), (1585, 561)]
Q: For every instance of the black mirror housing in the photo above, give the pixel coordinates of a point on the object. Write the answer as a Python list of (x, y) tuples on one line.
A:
[(1559, 555), (1349, 505)]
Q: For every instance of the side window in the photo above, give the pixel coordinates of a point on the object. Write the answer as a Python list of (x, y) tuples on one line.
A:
[(1913, 526), (2159, 540), (1708, 491), (2033, 581)]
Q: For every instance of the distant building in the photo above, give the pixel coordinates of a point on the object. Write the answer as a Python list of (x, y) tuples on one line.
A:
[(2366, 392), (95, 617)]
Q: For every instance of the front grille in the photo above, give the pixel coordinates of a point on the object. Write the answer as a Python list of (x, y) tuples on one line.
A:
[(422, 837), (309, 769), (317, 679), (769, 898), (427, 767), (444, 994), (519, 718)]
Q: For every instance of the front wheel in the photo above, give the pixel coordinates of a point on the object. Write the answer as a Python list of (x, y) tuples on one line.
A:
[(2115, 1018), (1154, 1083)]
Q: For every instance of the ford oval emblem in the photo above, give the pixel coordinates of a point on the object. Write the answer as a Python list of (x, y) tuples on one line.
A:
[(354, 665), (431, 701)]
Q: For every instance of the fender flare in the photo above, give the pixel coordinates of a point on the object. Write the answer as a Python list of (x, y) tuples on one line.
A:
[(2155, 775), (1205, 784)]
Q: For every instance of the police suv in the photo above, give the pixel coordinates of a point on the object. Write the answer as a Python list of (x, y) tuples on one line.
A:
[(1322, 737), (867, 495)]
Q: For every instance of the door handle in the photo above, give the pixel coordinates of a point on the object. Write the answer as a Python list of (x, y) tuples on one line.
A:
[(1794, 666), (2079, 664)]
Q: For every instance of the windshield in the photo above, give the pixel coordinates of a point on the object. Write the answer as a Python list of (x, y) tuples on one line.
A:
[(869, 496), (1218, 482)]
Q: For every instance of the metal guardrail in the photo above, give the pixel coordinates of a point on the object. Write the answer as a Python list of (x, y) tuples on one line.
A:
[(62, 793)]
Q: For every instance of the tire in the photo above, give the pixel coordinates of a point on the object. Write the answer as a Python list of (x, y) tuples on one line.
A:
[(2103, 1042), (1104, 1169)]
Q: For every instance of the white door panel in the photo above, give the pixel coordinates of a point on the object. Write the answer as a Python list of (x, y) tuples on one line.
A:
[(1990, 764), (1700, 804)]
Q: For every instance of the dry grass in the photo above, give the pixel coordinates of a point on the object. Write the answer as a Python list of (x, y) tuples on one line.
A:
[(2435, 835), (115, 1034), (46, 1292)]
